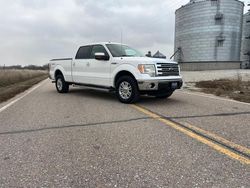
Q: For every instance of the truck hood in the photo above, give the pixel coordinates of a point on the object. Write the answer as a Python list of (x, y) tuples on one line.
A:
[(142, 60)]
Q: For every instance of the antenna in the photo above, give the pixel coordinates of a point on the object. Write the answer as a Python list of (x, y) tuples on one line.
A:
[(121, 39), (121, 36), (119, 5)]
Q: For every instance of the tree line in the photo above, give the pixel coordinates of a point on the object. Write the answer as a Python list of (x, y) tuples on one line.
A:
[(29, 67)]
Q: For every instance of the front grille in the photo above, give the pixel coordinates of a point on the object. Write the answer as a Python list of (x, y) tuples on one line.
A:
[(167, 69)]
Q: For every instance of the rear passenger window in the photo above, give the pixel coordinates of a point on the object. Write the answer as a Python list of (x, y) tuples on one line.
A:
[(83, 52), (97, 49)]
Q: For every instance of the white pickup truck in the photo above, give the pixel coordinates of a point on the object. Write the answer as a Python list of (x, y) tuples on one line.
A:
[(118, 68)]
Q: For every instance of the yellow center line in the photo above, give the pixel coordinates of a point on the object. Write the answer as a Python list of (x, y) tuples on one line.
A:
[(195, 136), (218, 138)]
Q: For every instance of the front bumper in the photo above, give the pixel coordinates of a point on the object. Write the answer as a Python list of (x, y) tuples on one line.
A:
[(154, 85)]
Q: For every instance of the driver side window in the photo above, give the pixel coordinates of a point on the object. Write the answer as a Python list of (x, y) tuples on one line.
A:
[(98, 49)]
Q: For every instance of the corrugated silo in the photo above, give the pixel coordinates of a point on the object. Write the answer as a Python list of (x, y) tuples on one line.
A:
[(245, 51), (208, 34)]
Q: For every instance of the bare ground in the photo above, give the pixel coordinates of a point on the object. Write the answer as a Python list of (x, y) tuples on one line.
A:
[(232, 88)]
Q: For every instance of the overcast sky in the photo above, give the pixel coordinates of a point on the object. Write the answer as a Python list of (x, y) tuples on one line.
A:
[(34, 31)]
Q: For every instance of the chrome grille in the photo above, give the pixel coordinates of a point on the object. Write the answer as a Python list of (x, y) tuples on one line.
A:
[(167, 69)]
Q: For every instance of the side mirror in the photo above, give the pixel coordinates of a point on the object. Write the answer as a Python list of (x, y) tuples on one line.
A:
[(101, 56)]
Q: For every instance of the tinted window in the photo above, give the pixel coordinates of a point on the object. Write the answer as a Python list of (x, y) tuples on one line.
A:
[(118, 50), (83, 52), (97, 49)]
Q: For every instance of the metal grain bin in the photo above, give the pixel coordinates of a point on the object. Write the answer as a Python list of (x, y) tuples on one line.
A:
[(208, 34)]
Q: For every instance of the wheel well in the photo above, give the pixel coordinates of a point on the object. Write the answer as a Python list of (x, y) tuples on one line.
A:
[(123, 73), (58, 72)]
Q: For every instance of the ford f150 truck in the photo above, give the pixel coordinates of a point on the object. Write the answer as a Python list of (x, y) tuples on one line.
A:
[(118, 68)]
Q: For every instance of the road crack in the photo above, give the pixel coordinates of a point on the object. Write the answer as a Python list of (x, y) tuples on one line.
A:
[(72, 126)]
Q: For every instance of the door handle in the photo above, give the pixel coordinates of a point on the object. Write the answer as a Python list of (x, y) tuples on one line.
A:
[(74, 64), (114, 63), (88, 64)]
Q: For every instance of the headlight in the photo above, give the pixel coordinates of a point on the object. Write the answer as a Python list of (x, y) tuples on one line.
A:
[(147, 69)]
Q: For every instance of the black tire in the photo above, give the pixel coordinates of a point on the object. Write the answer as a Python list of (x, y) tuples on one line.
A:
[(163, 94), (61, 85), (132, 94)]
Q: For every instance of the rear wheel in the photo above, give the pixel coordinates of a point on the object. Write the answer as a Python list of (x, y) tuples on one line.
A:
[(61, 85), (127, 90)]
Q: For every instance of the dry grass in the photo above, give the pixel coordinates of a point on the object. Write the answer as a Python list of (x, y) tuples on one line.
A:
[(235, 89), (9, 77), (13, 82)]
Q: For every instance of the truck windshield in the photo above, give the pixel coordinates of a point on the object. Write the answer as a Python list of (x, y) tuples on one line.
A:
[(118, 50)]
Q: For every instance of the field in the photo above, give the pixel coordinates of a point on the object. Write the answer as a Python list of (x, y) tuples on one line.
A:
[(236, 89), (13, 82)]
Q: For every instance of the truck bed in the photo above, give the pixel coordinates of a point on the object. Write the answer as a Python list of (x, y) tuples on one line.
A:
[(64, 65)]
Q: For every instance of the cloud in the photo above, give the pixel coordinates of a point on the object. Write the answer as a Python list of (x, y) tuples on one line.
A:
[(34, 31)]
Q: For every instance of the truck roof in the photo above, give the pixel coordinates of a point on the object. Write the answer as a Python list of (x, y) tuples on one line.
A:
[(103, 43)]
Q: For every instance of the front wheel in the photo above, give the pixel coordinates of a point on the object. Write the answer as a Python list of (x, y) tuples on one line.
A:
[(61, 85), (127, 90)]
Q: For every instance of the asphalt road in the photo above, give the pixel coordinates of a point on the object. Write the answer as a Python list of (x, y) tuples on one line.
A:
[(87, 138)]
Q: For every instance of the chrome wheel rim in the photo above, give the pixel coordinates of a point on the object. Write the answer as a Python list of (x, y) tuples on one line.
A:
[(125, 90), (59, 84)]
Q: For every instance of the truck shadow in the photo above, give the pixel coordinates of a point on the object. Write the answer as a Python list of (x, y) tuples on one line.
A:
[(93, 94), (110, 96), (156, 101)]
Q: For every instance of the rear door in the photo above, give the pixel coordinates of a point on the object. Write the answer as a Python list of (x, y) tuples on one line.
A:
[(80, 66), (99, 70)]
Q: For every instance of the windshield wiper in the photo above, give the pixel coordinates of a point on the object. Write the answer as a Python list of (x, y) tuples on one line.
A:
[(127, 56)]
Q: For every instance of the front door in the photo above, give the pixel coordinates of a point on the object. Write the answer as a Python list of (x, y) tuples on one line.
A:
[(99, 70)]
